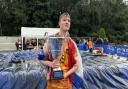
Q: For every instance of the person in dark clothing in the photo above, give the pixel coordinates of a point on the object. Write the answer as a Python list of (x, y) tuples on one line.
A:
[(99, 40), (99, 45), (106, 42), (16, 45)]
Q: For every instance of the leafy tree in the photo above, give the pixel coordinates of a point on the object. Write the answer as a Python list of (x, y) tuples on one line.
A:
[(125, 36), (102, 33), (87, 16)]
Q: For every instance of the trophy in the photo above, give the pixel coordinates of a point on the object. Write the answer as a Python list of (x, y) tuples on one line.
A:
[(56, 48)]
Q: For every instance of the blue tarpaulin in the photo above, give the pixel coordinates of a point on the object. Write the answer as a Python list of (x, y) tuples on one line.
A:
[(100, 72), (119, 50)]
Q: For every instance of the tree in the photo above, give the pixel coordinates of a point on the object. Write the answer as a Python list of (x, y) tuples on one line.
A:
[(102, 33), (87, 16)]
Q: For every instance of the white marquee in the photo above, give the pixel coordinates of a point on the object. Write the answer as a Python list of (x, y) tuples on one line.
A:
[(37, 32)]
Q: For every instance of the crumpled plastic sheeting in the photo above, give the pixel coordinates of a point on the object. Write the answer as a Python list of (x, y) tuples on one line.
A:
[(99, 73), (22, 80), (104, 73), (14, 77)]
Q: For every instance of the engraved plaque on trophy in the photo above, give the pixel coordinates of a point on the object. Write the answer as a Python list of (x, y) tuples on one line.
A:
[(56, 48)]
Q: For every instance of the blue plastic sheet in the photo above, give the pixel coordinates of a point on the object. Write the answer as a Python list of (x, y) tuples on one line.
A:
[(22, 80), (118, 50), (105, 73), (99, 72), (82, 46)]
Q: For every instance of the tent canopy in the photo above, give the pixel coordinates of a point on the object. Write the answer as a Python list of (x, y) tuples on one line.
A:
[(37, 32)]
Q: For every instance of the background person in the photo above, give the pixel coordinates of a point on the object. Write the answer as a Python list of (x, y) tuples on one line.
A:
[(18, 44), (90, 45), (99, 45), (99, 41)]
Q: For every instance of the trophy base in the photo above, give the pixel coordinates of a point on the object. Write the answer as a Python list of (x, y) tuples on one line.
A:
[(58, 75)]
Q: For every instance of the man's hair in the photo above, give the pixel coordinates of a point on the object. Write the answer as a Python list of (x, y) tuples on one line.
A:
[(64, 14)]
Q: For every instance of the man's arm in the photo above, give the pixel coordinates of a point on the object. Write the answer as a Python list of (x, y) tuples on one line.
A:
[(72, 70), (75, 66), (47, 63)]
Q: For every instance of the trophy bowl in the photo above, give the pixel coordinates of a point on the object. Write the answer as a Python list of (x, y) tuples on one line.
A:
[(56, 48)]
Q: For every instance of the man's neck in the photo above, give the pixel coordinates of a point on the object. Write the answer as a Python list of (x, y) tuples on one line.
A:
[(63, 33)]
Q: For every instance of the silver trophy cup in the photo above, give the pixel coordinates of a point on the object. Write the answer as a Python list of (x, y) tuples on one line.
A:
[(56, 48)]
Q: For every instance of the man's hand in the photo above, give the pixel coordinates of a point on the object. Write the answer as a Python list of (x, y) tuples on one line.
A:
[(65, 75), (55, 63)]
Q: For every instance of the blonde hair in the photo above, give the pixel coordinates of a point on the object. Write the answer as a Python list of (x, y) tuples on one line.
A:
[(64, 14)]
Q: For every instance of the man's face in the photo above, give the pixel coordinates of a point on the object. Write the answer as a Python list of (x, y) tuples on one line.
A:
[(64, 23)]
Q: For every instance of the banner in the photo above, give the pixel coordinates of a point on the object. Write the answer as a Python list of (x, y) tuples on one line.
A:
[(118, 50)]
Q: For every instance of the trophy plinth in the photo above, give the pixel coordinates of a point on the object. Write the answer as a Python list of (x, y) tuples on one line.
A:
[(56, 49)]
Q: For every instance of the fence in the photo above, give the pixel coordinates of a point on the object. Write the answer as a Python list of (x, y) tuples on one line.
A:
[(8, 43), (118, 50)]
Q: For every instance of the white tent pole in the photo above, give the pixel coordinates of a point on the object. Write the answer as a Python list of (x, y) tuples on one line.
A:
[(22, 42), (37, 44)]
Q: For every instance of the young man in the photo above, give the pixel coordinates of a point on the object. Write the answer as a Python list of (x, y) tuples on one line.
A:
[(69, 60)]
